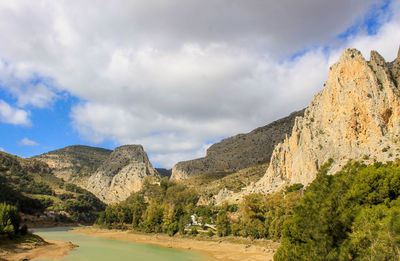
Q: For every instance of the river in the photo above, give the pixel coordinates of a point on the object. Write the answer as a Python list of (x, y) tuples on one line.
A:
[(101, 249)]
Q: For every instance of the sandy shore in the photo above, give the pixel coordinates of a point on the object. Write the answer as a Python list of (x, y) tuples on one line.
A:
[(52, 250), (225, 250)]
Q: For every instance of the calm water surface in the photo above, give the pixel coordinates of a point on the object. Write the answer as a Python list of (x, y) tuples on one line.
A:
[(101, 249)]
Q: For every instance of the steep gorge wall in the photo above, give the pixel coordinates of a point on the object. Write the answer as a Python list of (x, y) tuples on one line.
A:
[(356, 115)]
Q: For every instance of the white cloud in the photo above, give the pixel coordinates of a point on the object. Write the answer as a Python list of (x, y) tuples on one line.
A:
[(176, 74), (12, 115), (1, 149), (27, 142), (26, 86)]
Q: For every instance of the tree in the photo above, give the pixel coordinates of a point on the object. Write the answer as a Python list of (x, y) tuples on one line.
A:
[(9, 220), (223, 224)]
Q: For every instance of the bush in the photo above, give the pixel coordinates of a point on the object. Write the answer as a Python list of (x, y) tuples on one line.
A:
[(173, 229), (293, 188)]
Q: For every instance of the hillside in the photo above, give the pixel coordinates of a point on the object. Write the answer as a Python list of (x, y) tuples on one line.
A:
[(75, 164), (238, 152), (214, 187), (356, 116), (30, 185)]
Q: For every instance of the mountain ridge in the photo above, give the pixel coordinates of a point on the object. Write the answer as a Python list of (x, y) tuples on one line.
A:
[(238, 152), (75, 163)]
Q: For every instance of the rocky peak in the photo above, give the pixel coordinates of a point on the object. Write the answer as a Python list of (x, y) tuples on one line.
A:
[(356, 116), (121, 174)]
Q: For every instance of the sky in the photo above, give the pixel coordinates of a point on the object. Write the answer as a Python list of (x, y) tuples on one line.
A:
[(175, 76)]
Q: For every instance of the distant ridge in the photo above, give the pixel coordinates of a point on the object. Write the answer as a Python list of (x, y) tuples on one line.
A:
[(238, 152)]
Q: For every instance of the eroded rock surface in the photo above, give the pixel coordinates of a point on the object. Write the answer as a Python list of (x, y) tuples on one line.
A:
[(356, 116), (121, 174)]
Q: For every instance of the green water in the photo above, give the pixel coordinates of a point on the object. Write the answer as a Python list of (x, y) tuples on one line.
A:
[(100, 249)]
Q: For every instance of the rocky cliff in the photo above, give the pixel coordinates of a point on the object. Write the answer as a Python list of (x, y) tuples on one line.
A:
[(356, 116), (238, 152), (121, 174), (76, 163)]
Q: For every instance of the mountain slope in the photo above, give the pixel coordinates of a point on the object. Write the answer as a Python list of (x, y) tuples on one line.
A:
[(76, 163), (356, 116), (238, 152), (30, 185), (121, 174)]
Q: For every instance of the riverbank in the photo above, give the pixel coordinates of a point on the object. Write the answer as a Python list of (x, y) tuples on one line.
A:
[(226, 249), (33, 247)]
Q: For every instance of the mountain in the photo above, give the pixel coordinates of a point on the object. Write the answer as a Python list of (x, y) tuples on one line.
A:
[(356, 116), (75, 164), (238, 152), (122, 173), (164, 172), (30, 185)]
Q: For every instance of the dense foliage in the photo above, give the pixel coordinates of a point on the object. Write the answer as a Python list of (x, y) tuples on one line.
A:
[(263, 215), (156, 208), (352, 215)]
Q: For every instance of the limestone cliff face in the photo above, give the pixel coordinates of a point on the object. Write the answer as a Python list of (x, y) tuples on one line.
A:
[(356, 115), (75, 164), (121, 174), (238, 152)]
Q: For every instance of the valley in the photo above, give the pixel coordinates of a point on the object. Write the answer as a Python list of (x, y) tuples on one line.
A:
[(322, 183)]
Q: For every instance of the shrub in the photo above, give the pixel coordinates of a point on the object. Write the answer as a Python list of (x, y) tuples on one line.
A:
[(173, 229)]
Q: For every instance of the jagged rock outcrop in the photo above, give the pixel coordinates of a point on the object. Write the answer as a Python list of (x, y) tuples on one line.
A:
[(356, 116), (238, 152), (75, 164), (121, 174)]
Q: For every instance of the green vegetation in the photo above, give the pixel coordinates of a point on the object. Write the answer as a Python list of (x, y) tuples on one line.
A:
[(294, 187), (263, 215), (352, 215), (30, 186), (223, 224), (168, 208), (10, 221)]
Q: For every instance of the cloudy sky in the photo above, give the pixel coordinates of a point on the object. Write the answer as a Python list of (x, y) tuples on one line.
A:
[(174, 76)]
